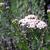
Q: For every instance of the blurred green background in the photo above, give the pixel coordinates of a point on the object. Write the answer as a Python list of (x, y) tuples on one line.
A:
[(18, 10)]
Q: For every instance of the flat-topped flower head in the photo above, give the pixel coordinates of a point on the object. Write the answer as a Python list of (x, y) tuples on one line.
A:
[(23, 20), (31, 17), (41, 25), (31, 21)]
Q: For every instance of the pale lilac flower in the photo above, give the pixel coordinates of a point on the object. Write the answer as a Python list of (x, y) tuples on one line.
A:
[(31, 17), (41, 25), (31, 25), (23, 21), (31, 21)]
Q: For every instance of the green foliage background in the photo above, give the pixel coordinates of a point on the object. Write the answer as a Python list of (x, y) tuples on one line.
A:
[(19, 9)]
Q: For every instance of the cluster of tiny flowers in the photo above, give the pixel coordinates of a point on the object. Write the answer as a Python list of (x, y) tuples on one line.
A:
[(32, 21)]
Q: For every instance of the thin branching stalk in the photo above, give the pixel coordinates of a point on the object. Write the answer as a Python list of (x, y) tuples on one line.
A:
[(42, 39)]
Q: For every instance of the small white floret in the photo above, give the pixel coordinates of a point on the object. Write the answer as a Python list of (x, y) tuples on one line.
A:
[(41, 25), (31, 17), (31, 21)]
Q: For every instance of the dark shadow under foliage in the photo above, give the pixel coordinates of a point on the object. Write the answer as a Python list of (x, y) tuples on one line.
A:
[(7, 43)]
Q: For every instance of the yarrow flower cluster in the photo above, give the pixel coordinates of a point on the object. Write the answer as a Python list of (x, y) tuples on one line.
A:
[(32, 21)]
